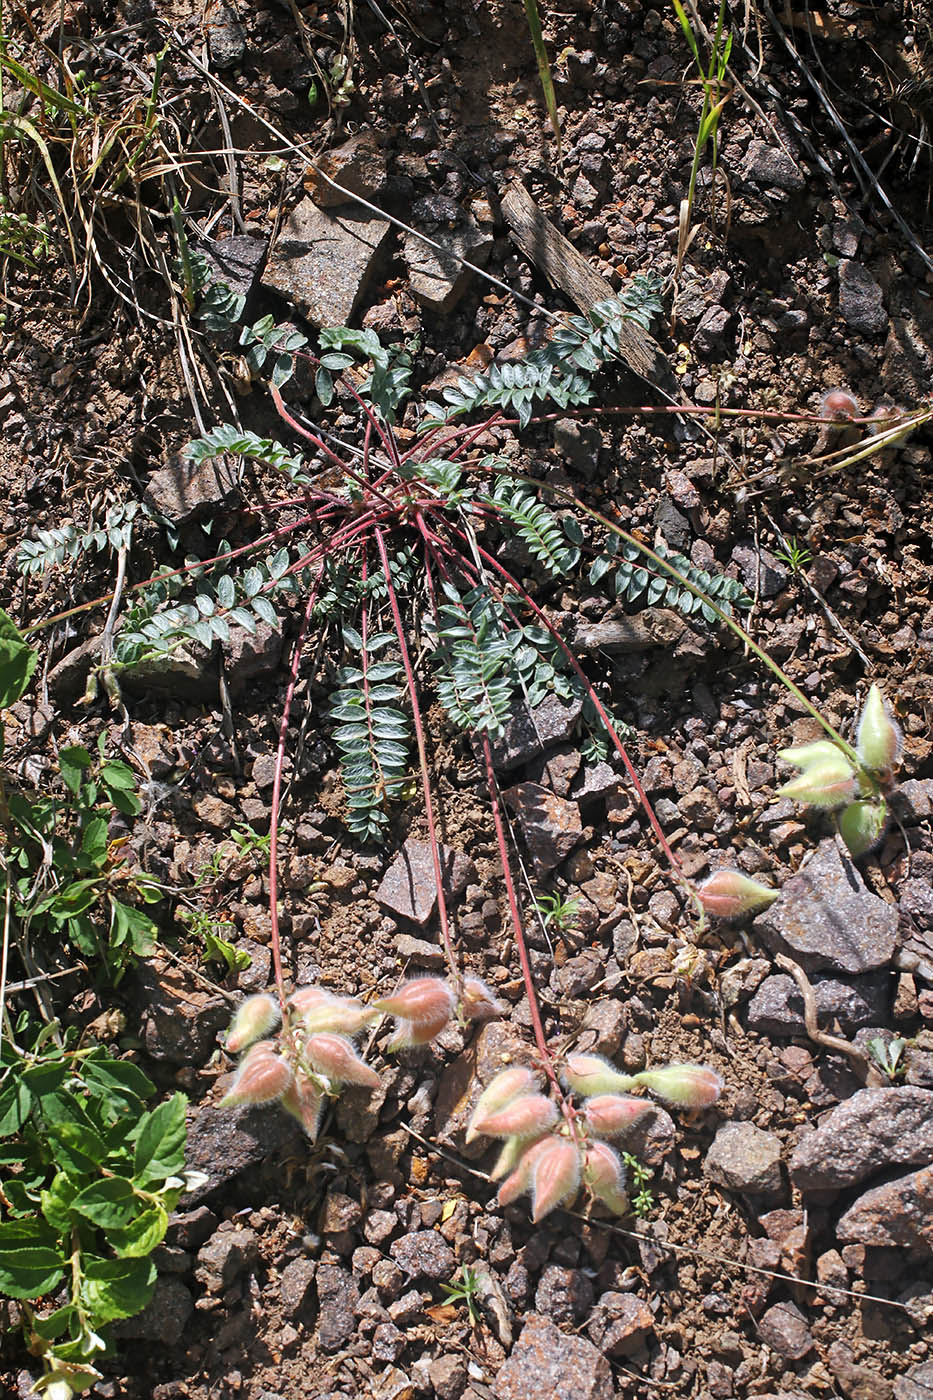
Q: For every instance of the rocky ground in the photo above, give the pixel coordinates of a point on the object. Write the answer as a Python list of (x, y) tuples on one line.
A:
[(787, 1249)]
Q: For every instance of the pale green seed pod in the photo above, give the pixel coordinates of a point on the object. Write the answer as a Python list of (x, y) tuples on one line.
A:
[(879, 741)]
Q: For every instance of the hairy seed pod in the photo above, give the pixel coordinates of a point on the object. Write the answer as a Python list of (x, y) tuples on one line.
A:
[(305, 1101), (477, 1002), (500, 1091), (826, 785), (335, 1057), (263, 1077), (862, 825), (727, 894), (519, 1179), (423, 1002), (591, 1074), (804, 756), (686, 1086), (556, 1176), (524, 1117), (609, 1115), (604, 1176), (839, 405), (255, 1017), (879, 740)]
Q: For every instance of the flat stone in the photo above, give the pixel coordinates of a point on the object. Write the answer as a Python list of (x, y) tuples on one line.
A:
[(710, 334), (437, 278), (408, 888), (620, 1324), (916, 1384), (236, 262), (784, 1329), (744, 1158), (861, 302), (249, 656), (564, 1295), (358, 164), (178, 1021), (419, 951), (550, 824), (497, 1047), (322, 261), (530, 731), (184, 490), (898, 1213), (424, 1254), (221, 1145), (771, 166), (546, 1363), (874, 1130), (761, 572), (295, 1286), (225, 36), (777, 1006), (338, 1295), (826, 918)]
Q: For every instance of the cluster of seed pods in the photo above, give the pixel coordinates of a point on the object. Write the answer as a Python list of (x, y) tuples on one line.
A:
[(311, 1056), (551, 1150)]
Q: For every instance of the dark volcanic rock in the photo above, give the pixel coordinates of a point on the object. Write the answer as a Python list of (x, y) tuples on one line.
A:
[(409, 887), (221, 1145), (323, 261), (874, 1130), (184, 490), (550, 824), (338, 1295), (898, 1213), (826, 918), (745, 1158), (777, 1006), (546, 1364)]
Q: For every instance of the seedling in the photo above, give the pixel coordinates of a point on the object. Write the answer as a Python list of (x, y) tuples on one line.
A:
[(643, 1198), (558, 913), (889, 1055), (465, 1291), (795, 555)]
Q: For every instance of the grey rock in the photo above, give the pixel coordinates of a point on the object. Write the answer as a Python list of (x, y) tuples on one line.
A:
[(163, 1318), (744, 1158), (225, 35), (784, 1329), (546, 1363), (419, 951), (237, 262), (861, 302), (249, 656), (437, 277), (771, 166), (856, 1382), (178, 1022), (777, 1006), (620, 636), (408, 888), (388, 1342), (189, 1229), (761, 572), (222, 1145), (900, 1212), (529, 731), (579, 443), (338, 1295), (710, 334), (912, 802), (596, 781), (295, 1286), (448, 1375), (424, 1254), (915, 1384), (620, 1324), (672, 525), (650, 1137), (563, 1295), (184, 490), (359, 165), (826, 918), (323, 261), (874, 1130), (227, 1254), (551, 825), (908, 360)]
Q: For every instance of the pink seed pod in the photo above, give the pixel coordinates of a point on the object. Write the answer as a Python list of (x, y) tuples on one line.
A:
[(519, 1180), (556, 1176), (727, 894), (477, 1002), (255, 1017), (839, 405), (409, 1035), (591, 1074), (334, 1056), (423, 1002), (305, 1100), (879, 740), (263, 1077), (604, 1176), (687, 1086), (500, 1091), (345, 1015), (524, 1117), (305, 998), (609, 1115), (826, 785)]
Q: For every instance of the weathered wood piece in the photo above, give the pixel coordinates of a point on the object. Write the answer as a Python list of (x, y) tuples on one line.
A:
[(569, 271)]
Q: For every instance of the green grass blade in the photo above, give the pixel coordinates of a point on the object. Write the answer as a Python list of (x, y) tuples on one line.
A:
[(544, 67)]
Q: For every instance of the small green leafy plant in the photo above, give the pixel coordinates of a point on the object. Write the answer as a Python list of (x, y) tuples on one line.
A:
[(796, 555), (90, 1175), (558, 913), (712, 79), (465, 1289), (643, 1198), (888, 1055)]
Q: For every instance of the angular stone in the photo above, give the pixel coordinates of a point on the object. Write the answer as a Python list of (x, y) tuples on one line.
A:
[(874, 1130), (163, 1318), (826, 918), (338, 1295), (546, 1363), (236, 261), (424, 1254), (619, 636), (620, 1324), (322, 261), (898, 1213), (225, 35), (916, 1384), (550, 824), (295, 1286), (227, 1254), (861, 302), (563, 1295), (251, 655), (771, 166), (856, 1382), (178, 1021), (184, 490), (408, 888), (744, 1158), (529, 731), (437, 276), (784, 1329), (761, 572), (777, 1006), (222, 1145), (358, 164)]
